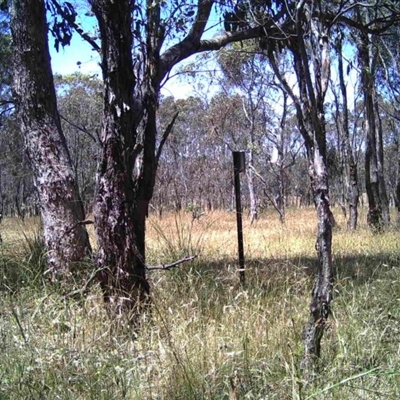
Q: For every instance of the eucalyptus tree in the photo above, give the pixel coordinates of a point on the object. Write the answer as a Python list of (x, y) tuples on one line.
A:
[(310, 54), (187, 155), (271, 147), (343, 126), (388, 73), (378, 211), (234, 128), (303, 32), (244, 72), (18, 196), (61, 208), (164, 35), (280, 130), (139, 43)]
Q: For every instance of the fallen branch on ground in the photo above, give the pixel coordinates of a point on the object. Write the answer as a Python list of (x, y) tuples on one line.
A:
[(172, 265)]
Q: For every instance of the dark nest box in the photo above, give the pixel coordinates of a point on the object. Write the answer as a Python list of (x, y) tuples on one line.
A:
[(239, 161)]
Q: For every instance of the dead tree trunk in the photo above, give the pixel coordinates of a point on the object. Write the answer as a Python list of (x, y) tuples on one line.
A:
[(66, 239)]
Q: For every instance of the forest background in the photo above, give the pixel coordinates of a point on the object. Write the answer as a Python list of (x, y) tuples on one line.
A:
[(309, 91)]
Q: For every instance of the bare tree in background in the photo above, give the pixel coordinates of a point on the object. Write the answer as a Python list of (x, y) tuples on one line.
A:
[(344, 130)]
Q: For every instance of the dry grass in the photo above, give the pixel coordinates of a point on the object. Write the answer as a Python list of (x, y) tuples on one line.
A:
[(206, 337)]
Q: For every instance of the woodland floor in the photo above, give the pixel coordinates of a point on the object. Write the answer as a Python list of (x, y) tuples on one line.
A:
[(205, 336)]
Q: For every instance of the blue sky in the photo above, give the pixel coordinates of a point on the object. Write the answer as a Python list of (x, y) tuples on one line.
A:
[(79, 56), (66, 60)]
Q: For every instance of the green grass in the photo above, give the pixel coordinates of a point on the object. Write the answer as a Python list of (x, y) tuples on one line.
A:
[(205, 336)]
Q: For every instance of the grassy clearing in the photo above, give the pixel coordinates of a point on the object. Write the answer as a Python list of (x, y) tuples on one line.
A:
[(205, 336)]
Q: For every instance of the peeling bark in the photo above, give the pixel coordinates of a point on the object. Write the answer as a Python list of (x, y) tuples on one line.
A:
[(310, 114), (61, 208), (322, 291)]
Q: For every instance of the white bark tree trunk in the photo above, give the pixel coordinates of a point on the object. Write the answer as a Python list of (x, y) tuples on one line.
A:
[(62, 211)]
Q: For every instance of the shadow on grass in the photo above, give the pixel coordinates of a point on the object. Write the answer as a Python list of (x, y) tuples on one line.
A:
[(295, 274), (272, 275)]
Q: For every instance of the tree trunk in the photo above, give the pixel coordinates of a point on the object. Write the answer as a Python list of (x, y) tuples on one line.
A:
[(147, 166), (397, 188), (252, 195), (123, 276), (311, 118), (352, 187), (249, 171), (381, 173), (322, 292), (281, 201), (375, 215), (61, 208)]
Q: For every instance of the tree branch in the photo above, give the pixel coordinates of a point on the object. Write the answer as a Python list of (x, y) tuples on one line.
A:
[(365, 28), (187, 48), (165, 136), (296, 101), (80, 223), (82, 129), (84, 35), (165, 267)]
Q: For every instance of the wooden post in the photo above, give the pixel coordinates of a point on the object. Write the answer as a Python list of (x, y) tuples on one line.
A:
[(238, 167)]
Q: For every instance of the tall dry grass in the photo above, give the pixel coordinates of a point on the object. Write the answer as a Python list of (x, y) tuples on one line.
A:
[(205, 336)]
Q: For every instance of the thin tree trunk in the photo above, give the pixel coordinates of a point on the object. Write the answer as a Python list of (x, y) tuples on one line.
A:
[(312, 127), (320, 306), (282, 193), (145, 181), (375, 215), (249, 170), (281, 162), (61, 208), (397, 188), (352, 189), (322, 291), (381, 174), (252, 195)]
